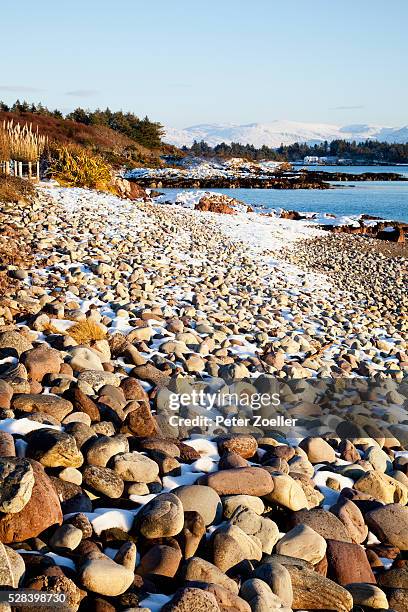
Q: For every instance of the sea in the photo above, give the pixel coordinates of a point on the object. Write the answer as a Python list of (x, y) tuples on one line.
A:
[(385, 199)]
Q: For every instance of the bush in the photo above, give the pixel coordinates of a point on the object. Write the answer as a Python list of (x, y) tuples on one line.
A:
[(76, 168)]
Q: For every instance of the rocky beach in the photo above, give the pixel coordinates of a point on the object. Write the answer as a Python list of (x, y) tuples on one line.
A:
[(114, 500)]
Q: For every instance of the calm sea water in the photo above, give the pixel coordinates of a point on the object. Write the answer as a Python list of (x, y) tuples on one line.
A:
[(386, 199)]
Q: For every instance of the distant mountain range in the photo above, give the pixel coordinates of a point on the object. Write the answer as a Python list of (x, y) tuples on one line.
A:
[(281, 132)]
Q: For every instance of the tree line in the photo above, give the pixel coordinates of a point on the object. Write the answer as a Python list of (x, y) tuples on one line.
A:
[(368, 151), (143, 131)]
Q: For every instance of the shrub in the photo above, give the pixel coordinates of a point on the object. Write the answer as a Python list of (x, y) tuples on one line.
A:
[(76, 168), (86, 331)]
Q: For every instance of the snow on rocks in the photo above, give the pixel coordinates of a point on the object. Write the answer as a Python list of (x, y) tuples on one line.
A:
[(133, 303)]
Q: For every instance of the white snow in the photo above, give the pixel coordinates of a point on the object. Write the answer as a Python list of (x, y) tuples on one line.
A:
[(279, 132), (23, 426)]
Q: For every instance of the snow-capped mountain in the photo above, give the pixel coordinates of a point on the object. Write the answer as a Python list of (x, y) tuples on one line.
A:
[(277, 132)]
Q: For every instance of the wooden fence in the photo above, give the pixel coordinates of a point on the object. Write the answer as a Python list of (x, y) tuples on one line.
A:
[(29, 170)]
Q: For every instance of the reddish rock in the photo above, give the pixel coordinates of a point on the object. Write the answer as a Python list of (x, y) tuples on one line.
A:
[(348, 563), (6, 393), (241, 481), (140, 420), (40, 361), (7, 448), (160, 559), (133, 390), (243, 445), (42, 511), (83, 403)]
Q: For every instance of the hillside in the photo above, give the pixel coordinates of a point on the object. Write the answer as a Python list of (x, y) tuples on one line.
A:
[(281, 132), (115, 147)]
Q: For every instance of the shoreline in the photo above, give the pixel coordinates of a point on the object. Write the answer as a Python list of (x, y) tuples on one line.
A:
[(127, 303)]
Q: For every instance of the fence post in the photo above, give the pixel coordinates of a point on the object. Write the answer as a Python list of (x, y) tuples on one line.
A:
[(20, 169), (7, 167), (30, 170), (38, 169)]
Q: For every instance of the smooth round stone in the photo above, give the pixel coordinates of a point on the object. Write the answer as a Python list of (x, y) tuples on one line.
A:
[(302, 541), (350, 515), (106, 577), (77, 417), (135, 467), (83, 358), (261, 598), (378, 459), (318, 450), (201, 499), (66, 537), (287, 492), (277, 577), (104, 448), (390, 524), (368, 596), (103, 480), (200, 570), (231, 502), (240, 481), (71, 475), (162, 517)]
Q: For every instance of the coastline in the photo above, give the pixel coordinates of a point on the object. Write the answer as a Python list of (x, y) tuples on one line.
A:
[(154, 293)]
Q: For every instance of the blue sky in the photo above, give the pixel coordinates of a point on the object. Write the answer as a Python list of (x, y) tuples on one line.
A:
[(188, 62)]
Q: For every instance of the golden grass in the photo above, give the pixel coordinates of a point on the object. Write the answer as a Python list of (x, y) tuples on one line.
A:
[(20, 142), (86, 331), (76, 168)]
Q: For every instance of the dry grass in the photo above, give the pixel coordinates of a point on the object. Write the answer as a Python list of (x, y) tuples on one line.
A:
[(14, 189), (73, 168), (96, 139), (20, 142), (86, 331)]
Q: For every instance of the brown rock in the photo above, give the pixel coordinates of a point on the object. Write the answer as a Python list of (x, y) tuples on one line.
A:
[(133, 390), (351, 517), (390, 524), (83, 403), (245, 481), (140, 420), (6, 393), (42, 511), (243, 445), (53, 405), (398, 599), (227, 601), (160, 559), (314, 592), (323, 522), (40, 361), (188, 599), (192, 533), (348, 563), (7, 448)]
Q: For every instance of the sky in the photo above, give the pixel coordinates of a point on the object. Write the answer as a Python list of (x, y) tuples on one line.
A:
[(218, 61)]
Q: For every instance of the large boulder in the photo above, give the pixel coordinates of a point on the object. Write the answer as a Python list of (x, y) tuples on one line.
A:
[(42, 510)]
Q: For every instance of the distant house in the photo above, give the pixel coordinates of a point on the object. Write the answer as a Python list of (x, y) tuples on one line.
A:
[(311, 159)]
